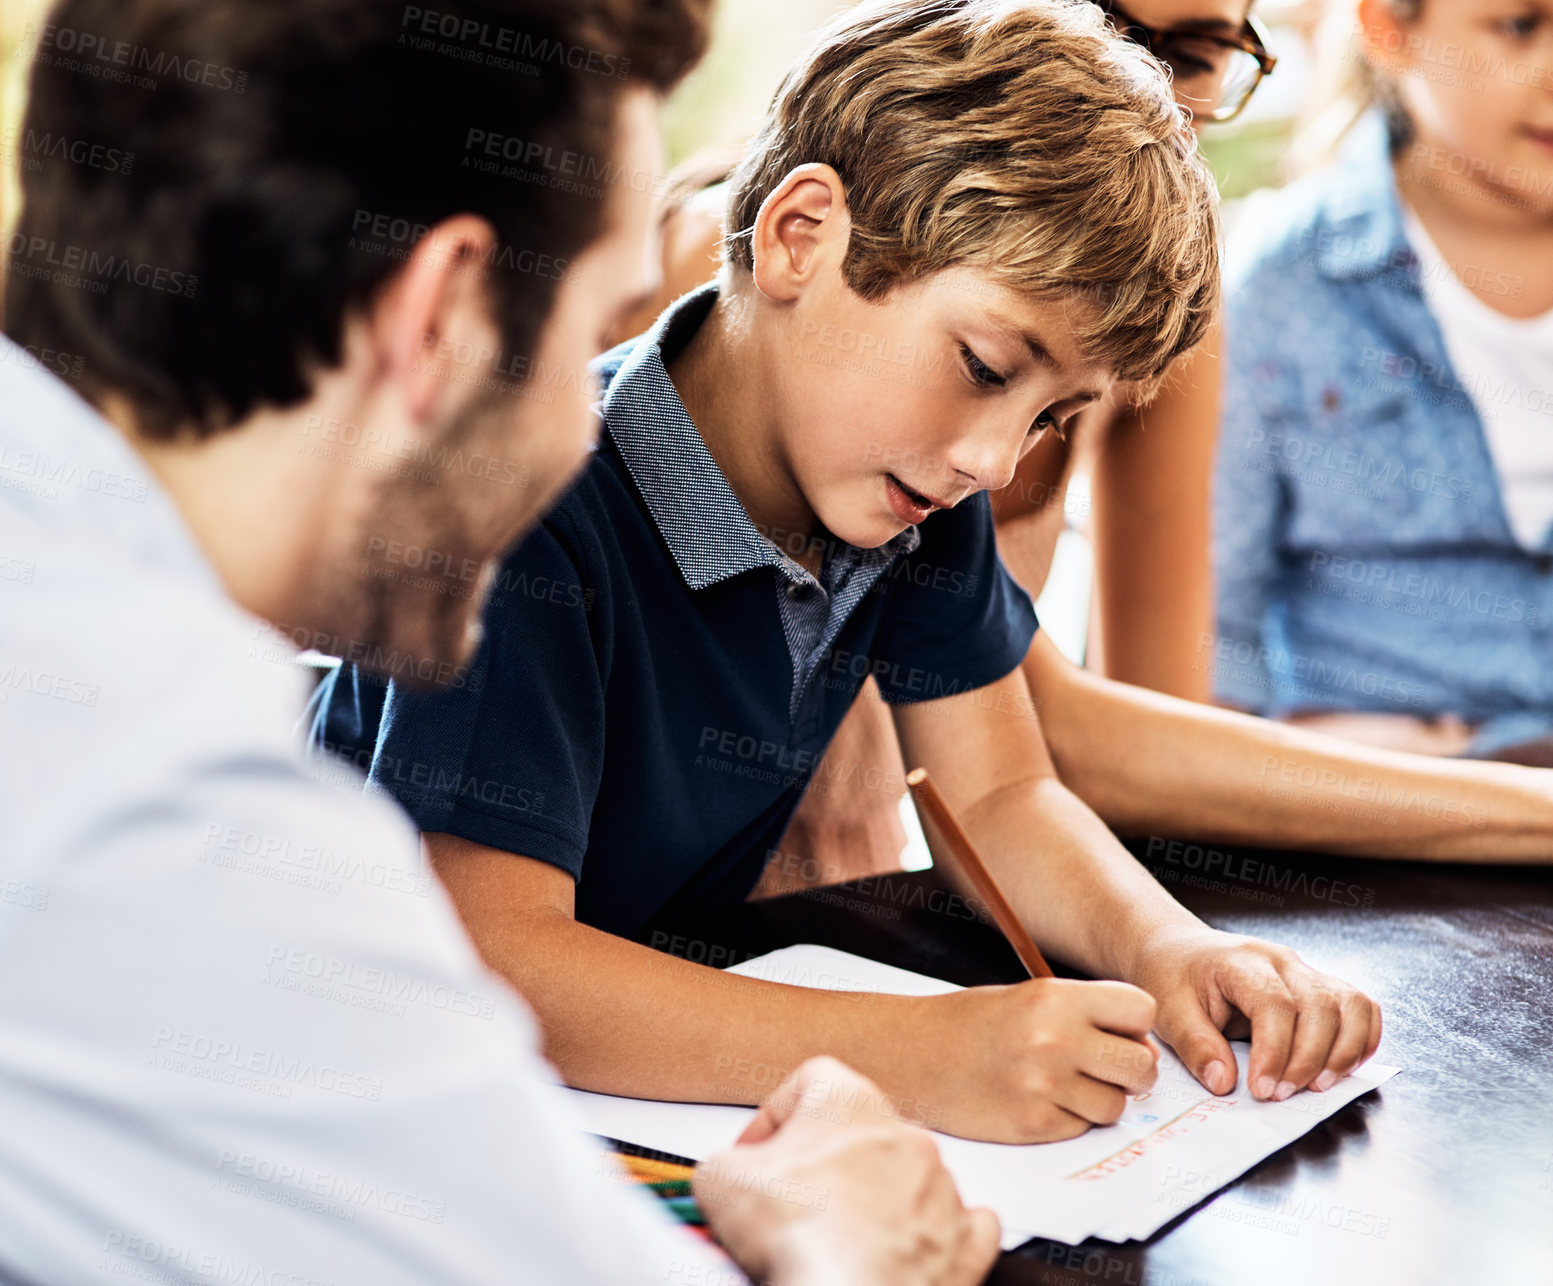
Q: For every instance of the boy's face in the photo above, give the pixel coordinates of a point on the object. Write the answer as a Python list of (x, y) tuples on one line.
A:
[(1476, 77), (891, 410)]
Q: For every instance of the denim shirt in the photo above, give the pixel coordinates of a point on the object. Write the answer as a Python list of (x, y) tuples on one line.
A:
[(1364, 559)]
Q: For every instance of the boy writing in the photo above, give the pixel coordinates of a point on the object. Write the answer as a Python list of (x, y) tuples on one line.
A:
[(1000, 201)]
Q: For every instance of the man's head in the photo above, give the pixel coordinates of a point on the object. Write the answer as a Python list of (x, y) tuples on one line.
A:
[(962, 220), (368, 244)]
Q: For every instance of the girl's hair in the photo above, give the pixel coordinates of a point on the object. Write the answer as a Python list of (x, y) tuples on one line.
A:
[(1346, 86)]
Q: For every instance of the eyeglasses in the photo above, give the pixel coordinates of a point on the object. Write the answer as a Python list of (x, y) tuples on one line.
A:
[(1213, 74)]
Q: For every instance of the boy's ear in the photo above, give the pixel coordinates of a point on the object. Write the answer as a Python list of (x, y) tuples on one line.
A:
[(436, 305), (803, 224), (1382, 36)]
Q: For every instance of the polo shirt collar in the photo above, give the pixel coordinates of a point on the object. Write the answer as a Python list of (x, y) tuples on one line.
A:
[(706, 528)]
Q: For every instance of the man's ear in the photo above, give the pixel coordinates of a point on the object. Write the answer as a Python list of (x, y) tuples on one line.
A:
[(435, 309), (803, 223), (1383, 37)]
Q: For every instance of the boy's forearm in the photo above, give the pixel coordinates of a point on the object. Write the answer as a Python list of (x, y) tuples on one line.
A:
[(1149, 764), (1085, 899), (621, 1018)]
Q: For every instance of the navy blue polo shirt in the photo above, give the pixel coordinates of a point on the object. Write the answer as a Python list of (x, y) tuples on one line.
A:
[(658, 680)]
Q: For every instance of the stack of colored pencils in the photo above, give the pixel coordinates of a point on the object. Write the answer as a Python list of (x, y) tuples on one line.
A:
[(668, 1180)]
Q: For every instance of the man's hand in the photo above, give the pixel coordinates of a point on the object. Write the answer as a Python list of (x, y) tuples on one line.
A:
[(826, 1186), (1035, 1062), (1306, 1028)]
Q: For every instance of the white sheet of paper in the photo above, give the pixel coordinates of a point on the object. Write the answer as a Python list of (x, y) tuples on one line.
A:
[(1173, 1146)]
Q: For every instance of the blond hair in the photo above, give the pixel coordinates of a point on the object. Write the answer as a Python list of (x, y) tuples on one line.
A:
[(1020, 137), (1345, 87)]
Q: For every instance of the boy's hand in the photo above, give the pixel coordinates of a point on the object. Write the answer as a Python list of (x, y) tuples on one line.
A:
[(1306, 1028), (1035, 1062), (826, 1186)]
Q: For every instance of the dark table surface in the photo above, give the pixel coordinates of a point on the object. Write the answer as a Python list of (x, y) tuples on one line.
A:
[(1444, 1174)]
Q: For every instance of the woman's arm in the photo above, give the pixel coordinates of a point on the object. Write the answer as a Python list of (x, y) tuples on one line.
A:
[(848, 823), (1152, 505), (1151, 473), (1029, 511), (1153, 765)]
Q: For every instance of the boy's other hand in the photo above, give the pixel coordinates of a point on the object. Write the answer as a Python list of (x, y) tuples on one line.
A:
[(1307, 1028), (827, 1186), (1034, 1062)]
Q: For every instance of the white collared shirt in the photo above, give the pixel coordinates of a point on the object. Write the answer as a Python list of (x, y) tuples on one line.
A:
[(243, 1036)]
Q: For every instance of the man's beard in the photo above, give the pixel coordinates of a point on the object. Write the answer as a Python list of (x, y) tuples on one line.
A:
[(421, 637), (421, 625)]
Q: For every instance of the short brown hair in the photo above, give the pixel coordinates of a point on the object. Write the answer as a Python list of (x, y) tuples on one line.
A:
[(271, 140), (1022, 137)]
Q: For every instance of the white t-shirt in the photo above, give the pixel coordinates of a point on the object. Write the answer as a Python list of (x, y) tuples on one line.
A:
[(1505, 364), (243, 1036)]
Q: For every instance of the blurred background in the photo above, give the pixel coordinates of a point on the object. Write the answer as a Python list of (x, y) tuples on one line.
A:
[(755, 41)]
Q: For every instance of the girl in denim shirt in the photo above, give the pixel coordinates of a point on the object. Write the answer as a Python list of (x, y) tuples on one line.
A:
[(1384, 494)]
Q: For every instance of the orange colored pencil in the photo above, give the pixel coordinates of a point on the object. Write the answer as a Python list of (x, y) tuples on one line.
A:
[(647, 1170), (957, 846)]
